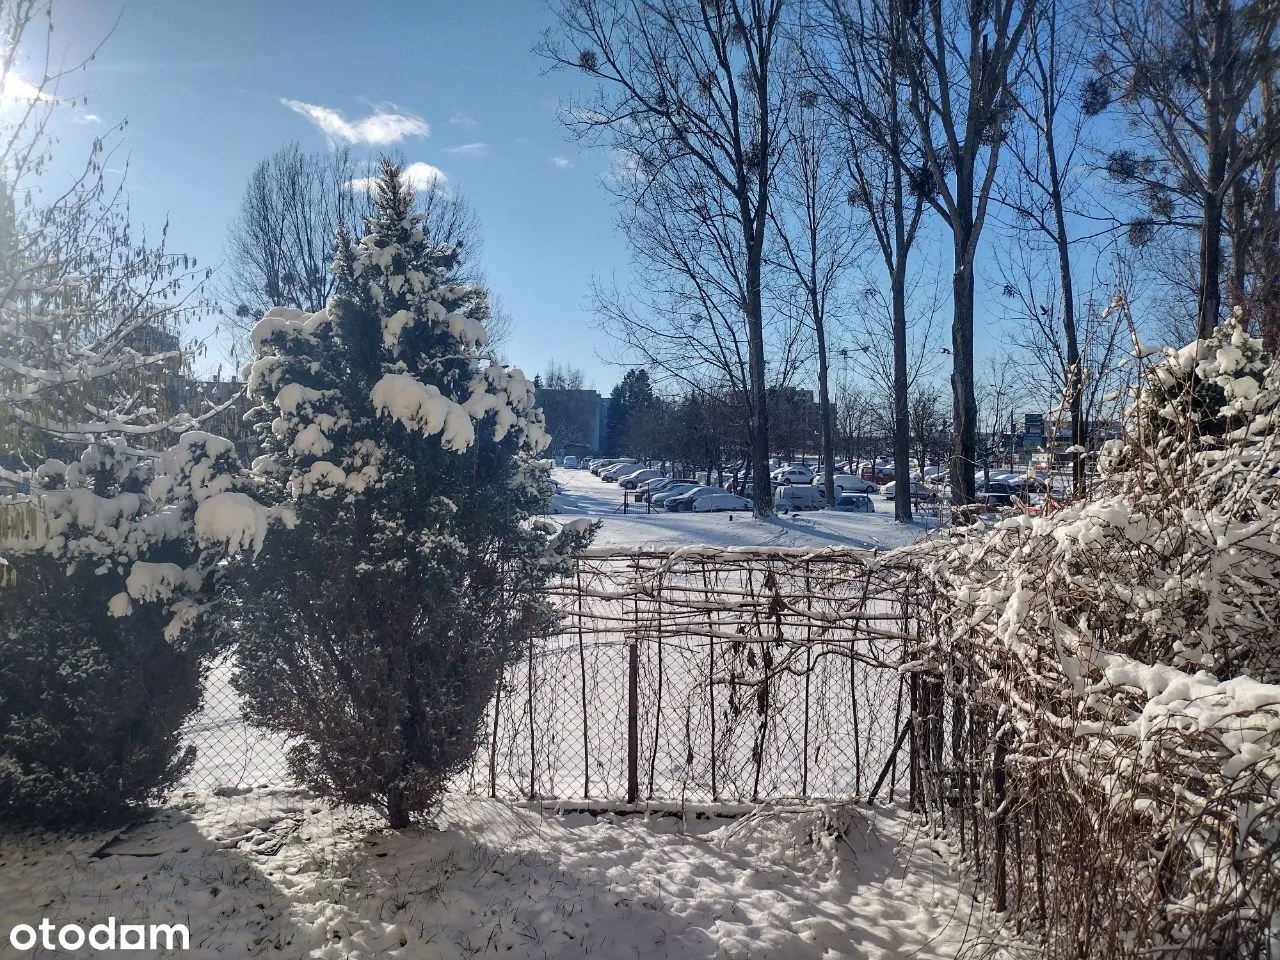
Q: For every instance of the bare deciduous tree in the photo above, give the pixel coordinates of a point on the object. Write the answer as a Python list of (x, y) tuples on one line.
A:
[(860, 74), (856, 418), (566, 376), (959, 59), (690, 94), (90, 311), (883, 356), (817, 240), (1048, 174), (280, 246), (1191, 77), (1040, 357), (996, 392), (929, 427)]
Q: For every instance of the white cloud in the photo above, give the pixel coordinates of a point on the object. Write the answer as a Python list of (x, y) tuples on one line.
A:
[(460, 119), (469, 150), (423, 176), (377, 129), (564, 163), (86, 118), (420, 176)]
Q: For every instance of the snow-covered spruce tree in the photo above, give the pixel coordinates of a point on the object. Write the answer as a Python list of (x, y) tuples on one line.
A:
[(108, 564), (376, 630)]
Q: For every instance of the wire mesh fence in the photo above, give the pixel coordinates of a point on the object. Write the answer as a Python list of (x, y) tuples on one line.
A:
[(705, 676), (687, 676)]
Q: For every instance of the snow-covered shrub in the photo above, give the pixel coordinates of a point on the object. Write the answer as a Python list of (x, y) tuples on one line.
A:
[(1116, 674), (109, 562), (376, 630), (91, 704)]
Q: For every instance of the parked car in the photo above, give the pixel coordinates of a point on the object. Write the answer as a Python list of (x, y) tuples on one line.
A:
[(848, 483), (647, 488), (600, 466), (570, 463), (918, 491), (997, 501), (1002, 488), (798, 497), (787, 475), (878, 473), (619, 470), (720, 503), (659, 499), (632, 480), (855, 503), (683, 502)]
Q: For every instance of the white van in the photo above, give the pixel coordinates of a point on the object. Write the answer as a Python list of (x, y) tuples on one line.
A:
[(798, 496)]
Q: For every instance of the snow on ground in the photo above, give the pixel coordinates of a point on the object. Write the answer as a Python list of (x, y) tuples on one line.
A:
[(260, 870), (586, 495), (228, 750), (272, 873)]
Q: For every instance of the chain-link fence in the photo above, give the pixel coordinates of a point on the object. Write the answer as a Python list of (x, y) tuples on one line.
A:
[(702, 675), (690, 676)]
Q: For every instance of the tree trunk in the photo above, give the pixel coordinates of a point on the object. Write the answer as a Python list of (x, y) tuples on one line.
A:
[(1265, 252), (762, 494), (824, 412), (397, 812), (964, 405), (901, 421), (1075, 375), (1209, 302)]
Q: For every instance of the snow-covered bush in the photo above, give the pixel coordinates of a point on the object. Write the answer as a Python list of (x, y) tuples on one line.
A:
[(376, 630), (91, 704), (1116, 675), (108, 563)]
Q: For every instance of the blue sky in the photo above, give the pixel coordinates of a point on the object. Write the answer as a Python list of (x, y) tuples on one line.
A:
[(201, 84)]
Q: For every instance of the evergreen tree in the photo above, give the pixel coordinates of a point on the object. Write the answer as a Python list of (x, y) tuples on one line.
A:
[(108, 564), (630, 399), (377, 628)]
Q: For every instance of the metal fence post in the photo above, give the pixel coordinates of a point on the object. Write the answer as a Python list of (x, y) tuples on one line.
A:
[(657, 720), (582, 666), (493, 742), (711, 683), (633, 721), (633, 698), (533, 732), (808, 674)]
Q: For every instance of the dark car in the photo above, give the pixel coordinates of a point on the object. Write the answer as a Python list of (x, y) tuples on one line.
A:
[(1004, 488), (855, 503), (684, 502)]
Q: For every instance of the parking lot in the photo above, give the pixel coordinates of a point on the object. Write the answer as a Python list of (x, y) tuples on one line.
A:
[(586, 495)]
